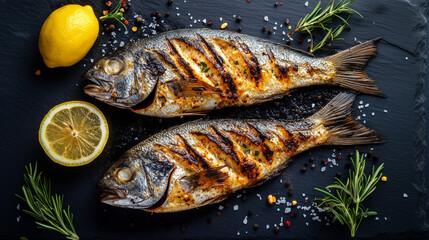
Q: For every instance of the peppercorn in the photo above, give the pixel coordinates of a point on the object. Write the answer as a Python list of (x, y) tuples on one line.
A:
[(287, 21), (375, 158), (311, 159), (288, 42), (319, 97), (271, 199), (384, 179), (287, 184), (338, 175), (239, 29), (108, 3), (369, 154), (224, 25), (256, 226), (182, 228), (287, 224), (128, 5), (303, 169), (38, 72), (276, 229), (290, 192), (306, 163), (276, 4), (169, 2), (111, 27), (167, 14), (264, 28), (238, 19), (313, 166), (270, 31), (139, 20), (249, 213), (209, 23)]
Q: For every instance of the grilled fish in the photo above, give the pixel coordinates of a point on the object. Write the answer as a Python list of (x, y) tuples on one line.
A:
[(191, 71), (203, 162)]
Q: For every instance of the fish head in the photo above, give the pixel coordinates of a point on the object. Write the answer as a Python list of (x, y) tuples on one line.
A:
[(123, 78), (136, 181)]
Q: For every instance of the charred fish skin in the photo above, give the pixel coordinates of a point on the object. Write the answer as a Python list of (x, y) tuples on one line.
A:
[(191, 71), (213, 159)]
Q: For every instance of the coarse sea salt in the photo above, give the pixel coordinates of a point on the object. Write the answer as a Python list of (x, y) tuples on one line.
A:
[(266, 19), (259, 196), (323, 169), (245, 220), (405, 195), (235, 207), (288, 210), (306, 4)]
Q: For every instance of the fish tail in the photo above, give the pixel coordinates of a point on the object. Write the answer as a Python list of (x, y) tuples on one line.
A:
[(349, 68), (342, 129)]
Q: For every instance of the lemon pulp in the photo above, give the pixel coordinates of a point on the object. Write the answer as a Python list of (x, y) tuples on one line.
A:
[(73, 133)]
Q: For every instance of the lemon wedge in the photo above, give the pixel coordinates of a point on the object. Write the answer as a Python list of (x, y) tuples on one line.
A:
[(73, 133)]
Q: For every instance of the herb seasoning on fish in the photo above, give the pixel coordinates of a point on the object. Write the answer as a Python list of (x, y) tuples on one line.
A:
[(191, 71), (203, 162)]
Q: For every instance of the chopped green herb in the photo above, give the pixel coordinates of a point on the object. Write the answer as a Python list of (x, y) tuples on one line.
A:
[(204, 67), (256, 153), (245, 71), (247, 151), (260, 160), (244, 145), (236, 63)]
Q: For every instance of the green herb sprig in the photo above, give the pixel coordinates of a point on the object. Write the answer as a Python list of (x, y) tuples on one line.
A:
[(321, 19), (116, 14), (45, 208), (346, 203)]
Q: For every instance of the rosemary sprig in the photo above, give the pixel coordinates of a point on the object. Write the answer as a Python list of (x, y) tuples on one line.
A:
[(45, 208), (116, 14), (346, 205), (321, 18)]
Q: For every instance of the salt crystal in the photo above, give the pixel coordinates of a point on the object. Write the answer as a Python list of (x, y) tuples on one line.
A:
[(266, 19), (178, 14), (361, 102), (373, 113), (121, 44), (238, 233), (268, 226), (235, 207), (281, 180), (136, 138), (385, 110), (281, 222), (303, 194), (177, 8), (275, 23), (406, 58), (234, 15), (309, 40), (364, 115), (204, 20), (259, 196), (17, 207), (221, 207), (304, 215), (239, 196), (245, 220), (288, 210), (284, 33), (220, 19), (367, 105), (405, 195), (18, 218), (313, 105), (275, 28), (306, 4), (323, 169), (306, 223), (278, 209)]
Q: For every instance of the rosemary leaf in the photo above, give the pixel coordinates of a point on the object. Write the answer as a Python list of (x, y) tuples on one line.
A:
[(346, 204), (46, 208)]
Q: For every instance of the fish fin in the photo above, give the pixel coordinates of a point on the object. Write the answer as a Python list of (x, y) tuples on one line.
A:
[(192, 114), (198, 88), (343, 130), (216, 200), (208, 178), (349, 68)]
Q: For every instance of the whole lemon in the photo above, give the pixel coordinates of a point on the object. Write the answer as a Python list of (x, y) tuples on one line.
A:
[(67, 35)]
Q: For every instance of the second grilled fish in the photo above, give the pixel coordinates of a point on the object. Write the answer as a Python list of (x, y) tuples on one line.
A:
[(203, 162), (190, 71)]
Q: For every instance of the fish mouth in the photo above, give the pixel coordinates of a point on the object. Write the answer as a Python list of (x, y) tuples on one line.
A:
[(108, 194), (101, 89)]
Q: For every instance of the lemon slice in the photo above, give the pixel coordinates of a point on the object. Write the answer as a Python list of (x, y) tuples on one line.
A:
[(73, 133)]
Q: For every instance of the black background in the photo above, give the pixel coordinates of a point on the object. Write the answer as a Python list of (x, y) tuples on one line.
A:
[(399, 70)]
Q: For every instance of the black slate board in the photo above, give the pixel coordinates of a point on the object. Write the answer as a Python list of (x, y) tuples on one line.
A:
[(399, 70)]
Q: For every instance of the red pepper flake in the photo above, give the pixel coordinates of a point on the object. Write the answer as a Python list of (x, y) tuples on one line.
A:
[(126, 22), (301, 40), (218, 213), (123, 1), (305, 201), (281, 4), (249, 1), (287, 224), (339, 157)]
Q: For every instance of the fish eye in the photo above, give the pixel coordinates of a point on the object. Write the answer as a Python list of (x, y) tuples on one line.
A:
[(114, 66), (124, 174)]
